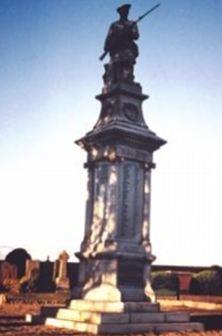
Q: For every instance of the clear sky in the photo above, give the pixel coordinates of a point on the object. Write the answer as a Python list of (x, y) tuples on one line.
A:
[(49, 75)]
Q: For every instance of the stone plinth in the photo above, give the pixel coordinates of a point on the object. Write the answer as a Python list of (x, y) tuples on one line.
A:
[(115, 318)]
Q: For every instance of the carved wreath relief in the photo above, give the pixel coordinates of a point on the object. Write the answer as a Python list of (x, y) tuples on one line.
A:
[(131, 112)]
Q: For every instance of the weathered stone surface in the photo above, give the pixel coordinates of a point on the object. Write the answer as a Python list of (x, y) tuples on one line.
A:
[(147, 317), (119, 317), (75, 326), (90, 317), (3, 299), (50, 311), (120, 157), (190, 326), (35, 319), (124, 328), (141, 307), (61, 280), (177, 317), (105, 306), (31, 265), (8, 271)]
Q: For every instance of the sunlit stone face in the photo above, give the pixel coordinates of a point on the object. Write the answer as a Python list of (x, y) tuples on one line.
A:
[(94, 152), (112, 155), (146, 188), (113, 178)]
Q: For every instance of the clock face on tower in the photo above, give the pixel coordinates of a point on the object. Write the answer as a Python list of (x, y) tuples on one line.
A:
[(131, 112)]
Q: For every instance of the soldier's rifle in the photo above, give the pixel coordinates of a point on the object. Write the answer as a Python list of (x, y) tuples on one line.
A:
[(139, 19)]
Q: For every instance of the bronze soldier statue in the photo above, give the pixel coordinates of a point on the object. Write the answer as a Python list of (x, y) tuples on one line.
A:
[(121, 47), (122, 33)]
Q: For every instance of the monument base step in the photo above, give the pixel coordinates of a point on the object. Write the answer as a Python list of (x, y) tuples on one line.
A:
[(113, 306), (114, 318), (123, 327), (119, 318)]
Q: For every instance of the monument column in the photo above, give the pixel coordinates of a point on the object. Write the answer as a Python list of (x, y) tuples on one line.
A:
[(120, 157), (115, 255)]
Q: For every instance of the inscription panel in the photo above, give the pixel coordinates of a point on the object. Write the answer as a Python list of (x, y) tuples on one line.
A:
[(100, 201), (134, 154), (131, 200)]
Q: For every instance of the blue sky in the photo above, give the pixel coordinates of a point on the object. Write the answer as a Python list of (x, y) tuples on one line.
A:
[(49, 76)]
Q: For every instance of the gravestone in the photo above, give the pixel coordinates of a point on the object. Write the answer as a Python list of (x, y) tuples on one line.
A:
[(114, 294), (9, 277), (46, 283), (62, 280), (30, 266), (18, 257), (3, 299), (8, 271), (55, 269)]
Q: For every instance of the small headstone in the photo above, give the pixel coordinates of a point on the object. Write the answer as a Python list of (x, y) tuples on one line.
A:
[(62, 280), (46, 281), (8, 271), (55, 269), (30, 266), (3, 299), (9, 277)]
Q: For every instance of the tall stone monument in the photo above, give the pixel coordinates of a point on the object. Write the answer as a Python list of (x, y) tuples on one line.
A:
[(114, 294), (115, 255)]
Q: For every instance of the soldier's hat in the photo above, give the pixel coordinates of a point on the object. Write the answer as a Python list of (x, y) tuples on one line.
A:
[(123, 8)]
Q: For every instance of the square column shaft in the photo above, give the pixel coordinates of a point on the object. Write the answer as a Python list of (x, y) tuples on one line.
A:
[(115, 255)]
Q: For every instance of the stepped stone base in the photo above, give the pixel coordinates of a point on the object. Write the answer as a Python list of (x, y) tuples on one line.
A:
[(115, 318)]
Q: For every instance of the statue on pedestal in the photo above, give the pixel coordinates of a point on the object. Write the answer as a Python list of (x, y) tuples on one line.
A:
[(121, 47)]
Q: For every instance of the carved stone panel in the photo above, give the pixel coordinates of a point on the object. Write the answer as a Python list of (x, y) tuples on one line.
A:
[(100, 201), (131, 191), (131, 112), (111, 208), (133, 154)]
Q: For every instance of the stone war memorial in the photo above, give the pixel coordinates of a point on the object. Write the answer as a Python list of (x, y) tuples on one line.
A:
[(114, 294)]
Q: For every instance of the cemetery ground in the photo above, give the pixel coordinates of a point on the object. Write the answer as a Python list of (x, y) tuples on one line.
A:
[(12, 315)]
